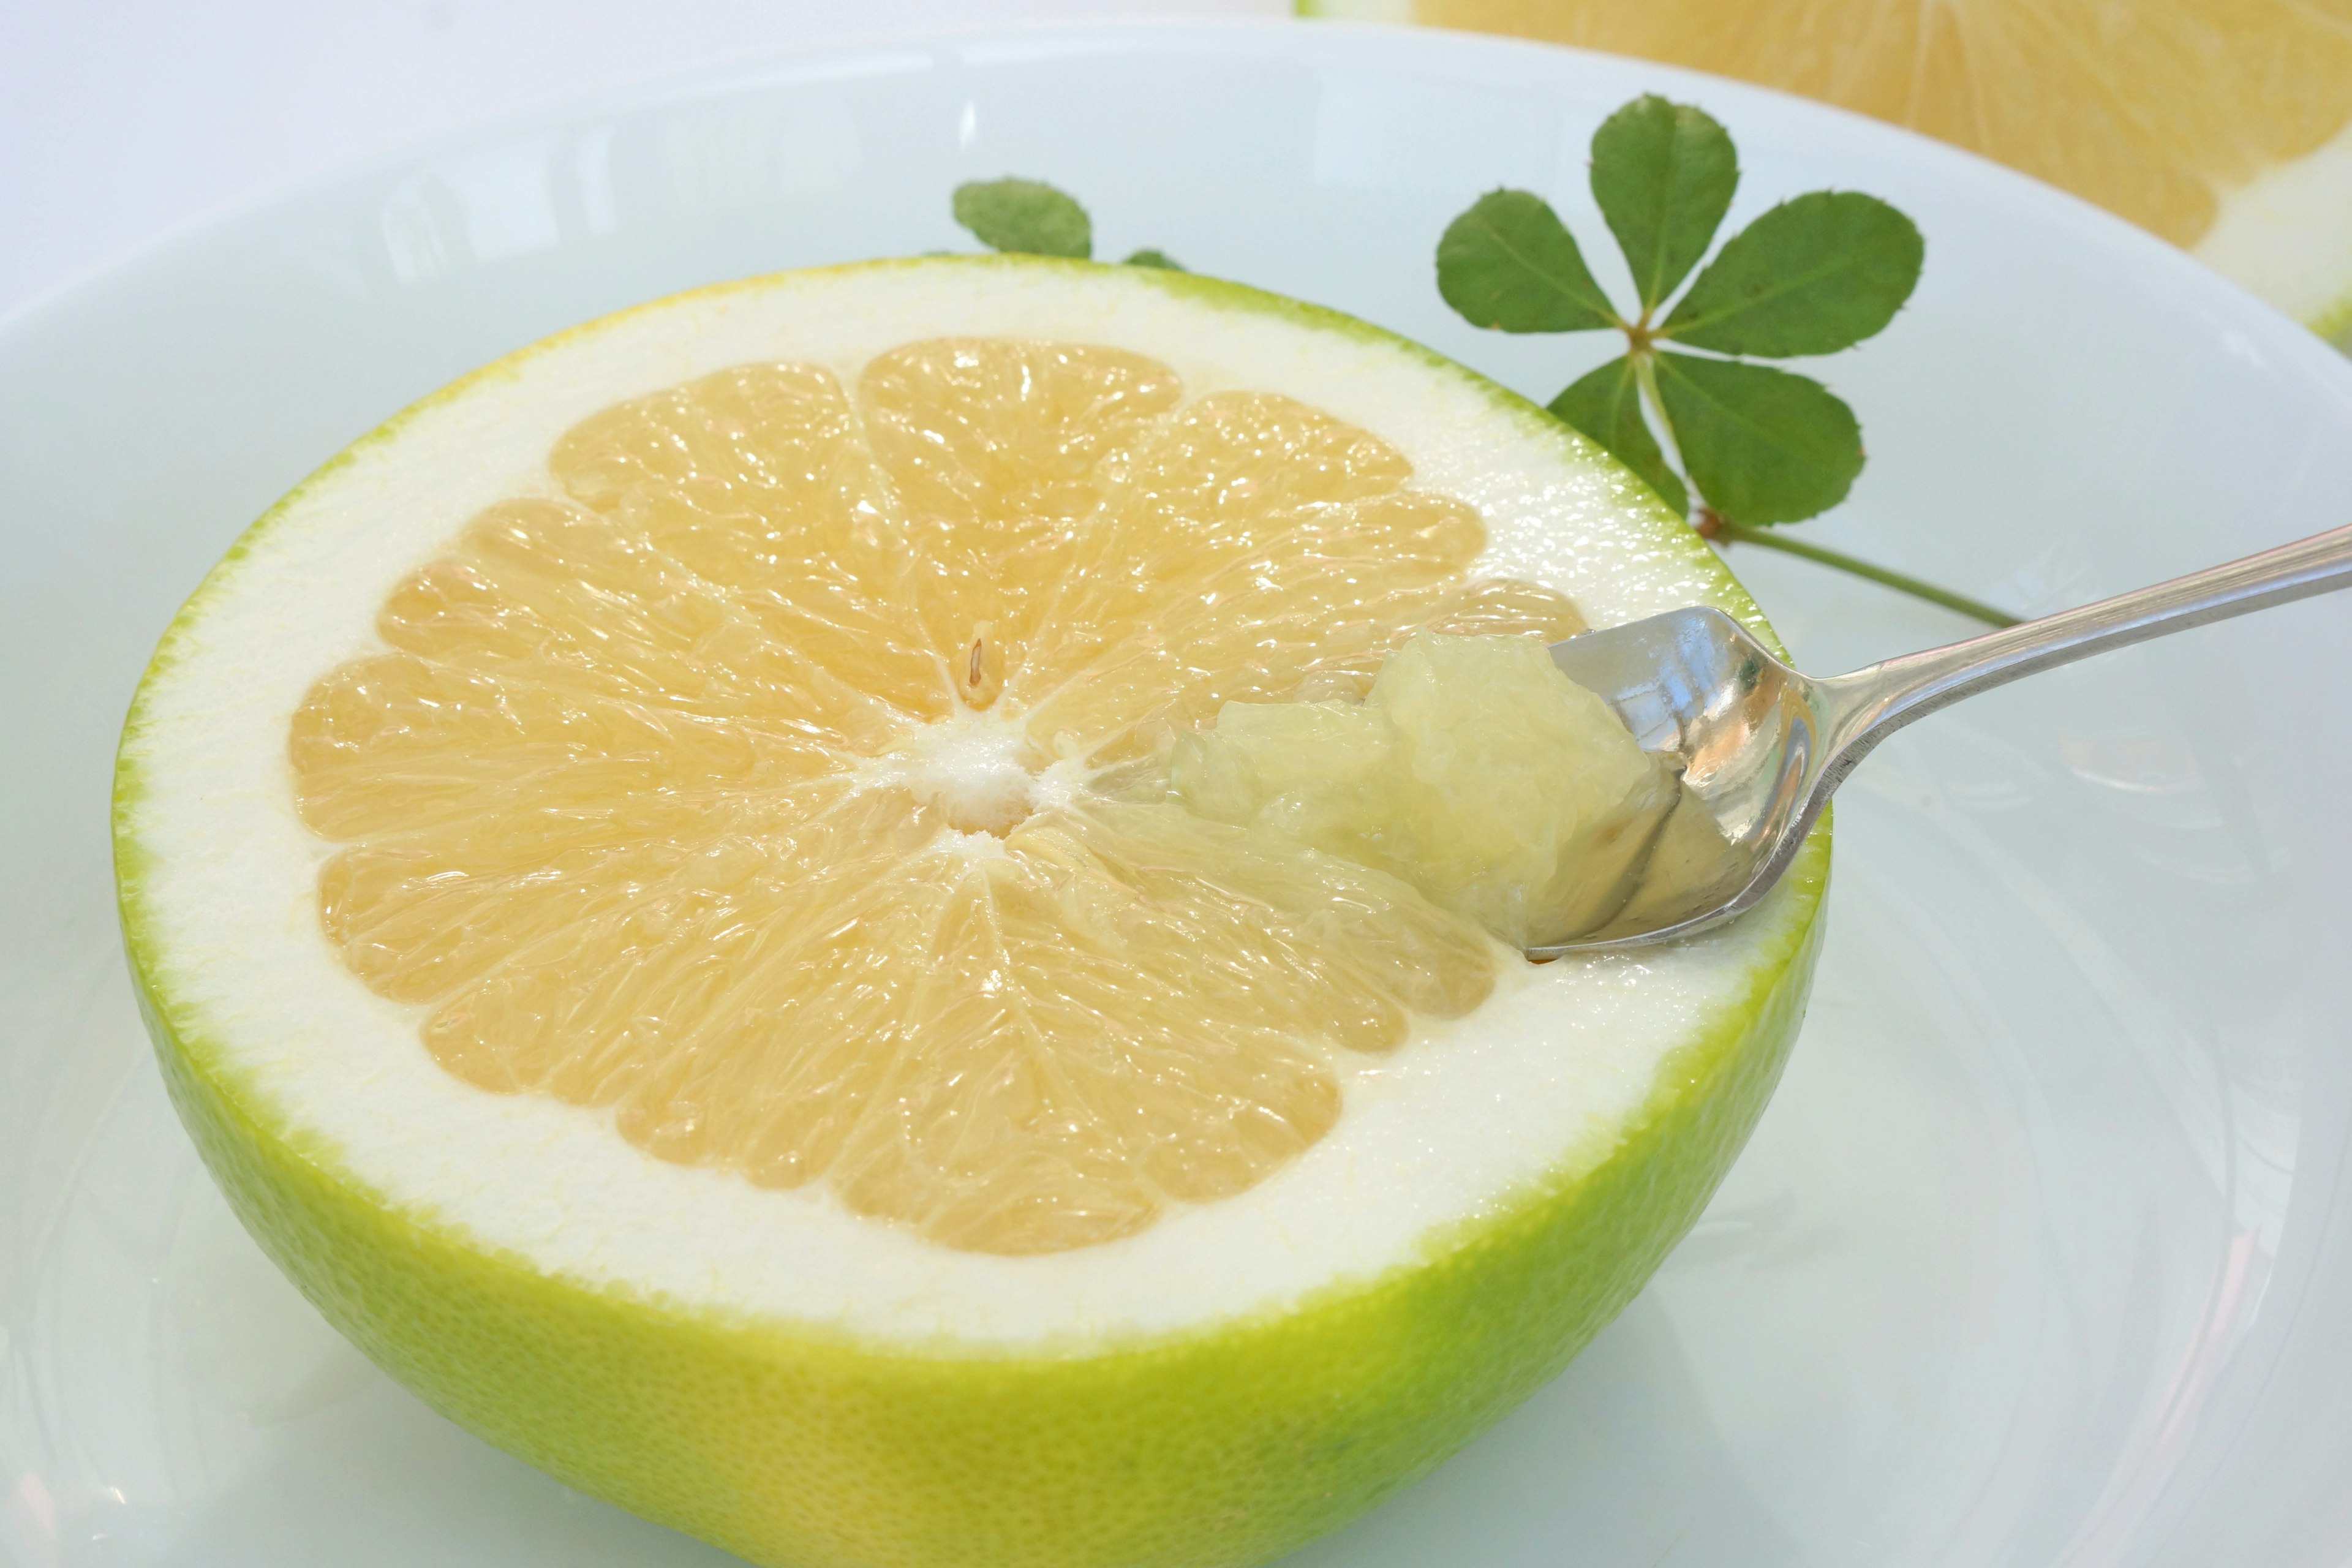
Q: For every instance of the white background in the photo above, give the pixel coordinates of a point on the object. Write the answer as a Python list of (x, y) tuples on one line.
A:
[(121, 119)]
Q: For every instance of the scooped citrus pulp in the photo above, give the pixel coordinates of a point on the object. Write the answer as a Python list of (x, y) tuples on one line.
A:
[(657, 883), (1476, 771), (2223, 125)]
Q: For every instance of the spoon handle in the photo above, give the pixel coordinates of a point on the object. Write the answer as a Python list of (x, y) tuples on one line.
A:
[(1866, 707)]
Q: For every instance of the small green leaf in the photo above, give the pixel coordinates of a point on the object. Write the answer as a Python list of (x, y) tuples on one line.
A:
[(1607, 407), (1762, 446), (1664, 173), (1813, 276), (1148, 257), (1509, 263), (1025, 215)]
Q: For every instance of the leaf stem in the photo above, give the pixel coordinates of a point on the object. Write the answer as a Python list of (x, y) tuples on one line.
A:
[(1725, 530), (1646, 376)]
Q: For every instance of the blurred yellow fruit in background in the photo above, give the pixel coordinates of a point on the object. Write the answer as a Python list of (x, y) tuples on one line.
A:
[(2219, 124)]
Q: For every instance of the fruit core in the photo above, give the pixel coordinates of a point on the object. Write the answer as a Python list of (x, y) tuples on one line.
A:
[(980, 774)]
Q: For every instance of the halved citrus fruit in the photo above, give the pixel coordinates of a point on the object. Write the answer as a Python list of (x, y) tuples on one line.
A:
[(656, 886), (2223, 125)]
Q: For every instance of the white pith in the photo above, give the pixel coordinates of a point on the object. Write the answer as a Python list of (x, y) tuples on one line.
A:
[(2287, 234), (1449, 1127)]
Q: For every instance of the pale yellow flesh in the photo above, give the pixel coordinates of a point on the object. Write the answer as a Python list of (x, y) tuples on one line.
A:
[(2153, 109), (784, 782), (1474, 770)]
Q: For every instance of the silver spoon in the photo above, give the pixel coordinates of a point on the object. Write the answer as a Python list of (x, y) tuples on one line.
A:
[(1764, 747)]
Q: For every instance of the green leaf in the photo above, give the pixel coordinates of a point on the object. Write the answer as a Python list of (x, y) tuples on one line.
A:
[(1607, 407), (1509, 263), (1025, 215), (1148, 257), (1813, 276), (1762, 446), (1664, 173)]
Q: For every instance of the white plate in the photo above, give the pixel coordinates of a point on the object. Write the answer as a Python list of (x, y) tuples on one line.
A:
[(2043, 1253)]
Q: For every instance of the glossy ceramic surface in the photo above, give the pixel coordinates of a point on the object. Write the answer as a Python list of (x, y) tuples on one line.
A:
[(2043, 1253)]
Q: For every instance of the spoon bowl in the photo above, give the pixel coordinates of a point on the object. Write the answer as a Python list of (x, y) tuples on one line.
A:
[(1696, 685)]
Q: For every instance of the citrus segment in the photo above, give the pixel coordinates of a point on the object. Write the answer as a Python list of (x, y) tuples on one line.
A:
[(750, 480), (998, 454), (705, 794), (1297, 552)]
